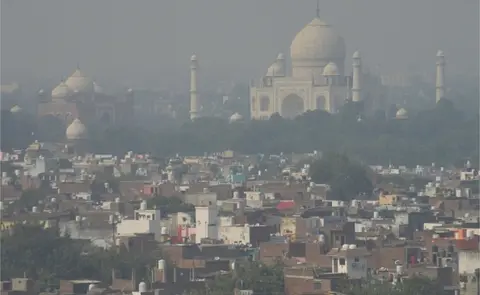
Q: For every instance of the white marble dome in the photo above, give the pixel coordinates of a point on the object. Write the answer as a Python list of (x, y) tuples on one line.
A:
[(316, 45), (76, 130), (401, 114), (331, 70), (79, 82), (236, 117), (15, 109), (61, 91)]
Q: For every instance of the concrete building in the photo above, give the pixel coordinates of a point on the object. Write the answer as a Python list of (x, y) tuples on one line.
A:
[(145, 221), (206, 217)]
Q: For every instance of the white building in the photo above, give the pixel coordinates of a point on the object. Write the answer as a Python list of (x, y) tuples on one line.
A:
[(239, 234), (145, 221), (317, 80), (206, 222), (350, 260)]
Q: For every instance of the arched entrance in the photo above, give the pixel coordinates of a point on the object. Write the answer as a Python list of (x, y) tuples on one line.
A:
[(292, 106), (321, 103)]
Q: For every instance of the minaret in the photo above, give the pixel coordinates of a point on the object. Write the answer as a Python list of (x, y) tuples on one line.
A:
[(193, 87), (356, 79), (440, 79)]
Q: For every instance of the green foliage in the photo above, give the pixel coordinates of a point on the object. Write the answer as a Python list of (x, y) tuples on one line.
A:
[(443, 135), (260, 278), (346, 178), (168, 205), (44, 255), (411, 286)]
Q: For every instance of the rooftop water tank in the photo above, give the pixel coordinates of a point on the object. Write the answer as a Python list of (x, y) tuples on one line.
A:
[(143, 205), (34, 209), (352, 246), (142, 287), (161, 264), (163, 230), (399, 269), (321, 238), (345, 247), (91, 287)]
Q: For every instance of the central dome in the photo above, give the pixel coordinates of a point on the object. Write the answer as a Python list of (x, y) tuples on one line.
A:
[(316, 45), (78, 82)]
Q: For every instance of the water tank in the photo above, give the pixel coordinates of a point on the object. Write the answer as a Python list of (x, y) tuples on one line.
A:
[(321, 238), (206, 190), (142, 287), (232, 265), (458, 192), (111, 219), (470, 234), (236, 195), (34, 209), (91, 287), (352, 246), (117, 200), (161, 264), (376, 214), (163, 230), (312, 184), (345, 247), (53, 200), (309, 189), (143, 205), (399, 269), (78, 218), (17, 172)]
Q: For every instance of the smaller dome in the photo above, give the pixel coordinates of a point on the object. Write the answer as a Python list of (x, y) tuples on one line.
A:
[(41, 92), (440, 54), (193, 58), (236, 117), (61, 91), (79, 82), (356, 54), (97, 88), (401, 114), (76, 130), (15, 109), (330, 70), (281, 56)]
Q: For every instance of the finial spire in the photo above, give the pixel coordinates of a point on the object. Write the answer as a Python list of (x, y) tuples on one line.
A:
[(318, 8)]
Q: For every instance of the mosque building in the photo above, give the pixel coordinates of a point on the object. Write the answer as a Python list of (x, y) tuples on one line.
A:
[(79, 97), (317, 80)]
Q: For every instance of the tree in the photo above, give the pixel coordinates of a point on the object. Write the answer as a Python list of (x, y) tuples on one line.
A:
[(346, 178), (169, 205), (409, 286)]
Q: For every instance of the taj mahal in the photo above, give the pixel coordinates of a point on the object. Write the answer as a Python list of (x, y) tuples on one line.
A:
[(317, 80)]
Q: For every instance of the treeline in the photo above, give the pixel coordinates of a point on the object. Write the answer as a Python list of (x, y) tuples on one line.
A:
[(443, 135)]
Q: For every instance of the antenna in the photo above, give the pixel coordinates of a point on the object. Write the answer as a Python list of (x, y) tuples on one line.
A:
[(318, 8)]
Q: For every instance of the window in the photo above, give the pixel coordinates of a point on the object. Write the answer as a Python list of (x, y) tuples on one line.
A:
[(356, 259), (317, 285), (264, 104), (342, 261)]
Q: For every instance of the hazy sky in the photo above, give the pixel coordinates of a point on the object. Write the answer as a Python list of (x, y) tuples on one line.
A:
[(148, 43)]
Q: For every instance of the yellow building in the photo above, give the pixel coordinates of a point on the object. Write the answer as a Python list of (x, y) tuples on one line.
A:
[(389, 199)]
